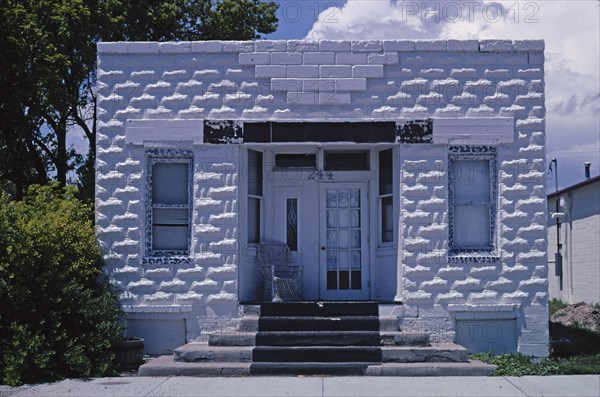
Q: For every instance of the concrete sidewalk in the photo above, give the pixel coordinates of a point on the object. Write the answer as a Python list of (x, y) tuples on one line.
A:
[(583, 385)]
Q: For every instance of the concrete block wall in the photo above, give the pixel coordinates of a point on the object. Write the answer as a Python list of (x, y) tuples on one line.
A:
[(345, 80), (580, 233)]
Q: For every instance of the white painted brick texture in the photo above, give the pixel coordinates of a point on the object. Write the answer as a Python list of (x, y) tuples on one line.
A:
[(355, 80)]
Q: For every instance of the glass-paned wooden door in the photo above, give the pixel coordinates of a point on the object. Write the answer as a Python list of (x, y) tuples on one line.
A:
[(344, 273)]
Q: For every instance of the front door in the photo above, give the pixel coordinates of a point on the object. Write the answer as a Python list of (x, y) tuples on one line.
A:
[(343, 237), (326, 226)]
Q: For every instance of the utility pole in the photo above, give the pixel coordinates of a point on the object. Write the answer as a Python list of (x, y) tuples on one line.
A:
[(558, 256)]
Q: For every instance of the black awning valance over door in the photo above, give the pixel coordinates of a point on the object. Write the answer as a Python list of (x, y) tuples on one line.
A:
[(230, 131)]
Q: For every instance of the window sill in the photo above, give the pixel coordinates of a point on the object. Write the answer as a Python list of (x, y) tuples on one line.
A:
[(472, 256), (484, 311), (166, 260)]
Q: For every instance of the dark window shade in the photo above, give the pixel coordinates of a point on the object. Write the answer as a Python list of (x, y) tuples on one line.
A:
[(347, 161), (253, 220), (295, 160), (385, 172), (255, 173), (387, 219)]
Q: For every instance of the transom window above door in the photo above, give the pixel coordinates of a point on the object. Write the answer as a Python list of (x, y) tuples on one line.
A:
[(296, 160), (335, 159), (354, 160)]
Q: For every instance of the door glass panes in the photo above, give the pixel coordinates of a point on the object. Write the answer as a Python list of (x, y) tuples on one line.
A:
[(291, 223), (331, 198), (343, 199), (343, 239), (355, 198)]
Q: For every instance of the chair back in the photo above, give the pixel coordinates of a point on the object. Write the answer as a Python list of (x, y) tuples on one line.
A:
[(273, 253)]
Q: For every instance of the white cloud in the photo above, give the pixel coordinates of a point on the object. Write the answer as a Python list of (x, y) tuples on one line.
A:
[(571, 30)]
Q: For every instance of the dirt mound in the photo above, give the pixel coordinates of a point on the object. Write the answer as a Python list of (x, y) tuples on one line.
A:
[(579, 315)]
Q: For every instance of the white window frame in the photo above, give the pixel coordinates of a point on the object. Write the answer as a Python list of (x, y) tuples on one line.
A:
[(156, 156), (486, 253)]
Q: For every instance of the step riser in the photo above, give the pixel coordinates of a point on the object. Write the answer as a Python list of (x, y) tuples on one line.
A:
[(249, 324), (318, 324), (232, 339), (473, 368), (216, 354), (320, 309), (404, 339), (455, 354), (292, 369), (332, 339), (345, 355), (388, 324)]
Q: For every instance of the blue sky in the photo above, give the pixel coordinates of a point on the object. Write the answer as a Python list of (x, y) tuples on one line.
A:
[(571, 30), (297, 17)]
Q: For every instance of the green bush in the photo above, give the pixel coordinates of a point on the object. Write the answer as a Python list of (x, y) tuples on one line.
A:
[(58, 314), (520, 365)]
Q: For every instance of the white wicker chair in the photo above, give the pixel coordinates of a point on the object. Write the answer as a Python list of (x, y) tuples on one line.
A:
[(283, 280)]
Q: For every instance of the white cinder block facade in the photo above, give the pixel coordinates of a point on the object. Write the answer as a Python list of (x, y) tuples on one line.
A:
[(578, 279), (408, 173)]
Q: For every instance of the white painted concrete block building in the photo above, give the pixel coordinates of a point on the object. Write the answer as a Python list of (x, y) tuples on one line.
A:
[(410, 173), (576, 278)]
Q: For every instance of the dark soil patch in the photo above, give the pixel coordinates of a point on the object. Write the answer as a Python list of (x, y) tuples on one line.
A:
[(575, 331)]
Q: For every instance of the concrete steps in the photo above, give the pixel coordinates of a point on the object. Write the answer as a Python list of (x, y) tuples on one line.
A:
[(319, 309), (309, 368), (371, 354), (309, 338), (306, 323), (232, 338), (436, 352), (167, 366), (316, 338), (469, 368), (203, 352)]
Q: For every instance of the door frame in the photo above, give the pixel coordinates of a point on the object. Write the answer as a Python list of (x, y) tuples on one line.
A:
[(375, 247)]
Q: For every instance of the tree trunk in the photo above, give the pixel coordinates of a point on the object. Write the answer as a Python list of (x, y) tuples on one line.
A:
[(61, 151)]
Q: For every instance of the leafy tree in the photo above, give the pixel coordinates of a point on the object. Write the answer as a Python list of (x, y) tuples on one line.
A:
[(58, 316), (48, 76), (21, 105)]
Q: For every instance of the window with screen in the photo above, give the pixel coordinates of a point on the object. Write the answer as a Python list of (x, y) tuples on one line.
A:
[(170, 205), (472, 202)]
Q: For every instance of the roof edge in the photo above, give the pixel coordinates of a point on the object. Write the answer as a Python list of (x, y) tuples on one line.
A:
[(217, 46), (575, 186)]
